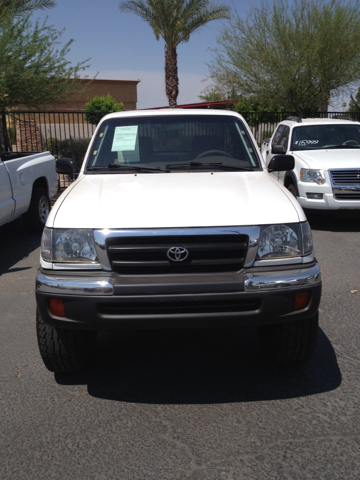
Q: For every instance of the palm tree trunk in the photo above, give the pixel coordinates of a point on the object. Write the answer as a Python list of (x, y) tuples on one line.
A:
[(171, 76)]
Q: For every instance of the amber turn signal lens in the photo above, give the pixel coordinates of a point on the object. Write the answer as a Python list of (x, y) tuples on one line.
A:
[(56, 307), (301, 300)]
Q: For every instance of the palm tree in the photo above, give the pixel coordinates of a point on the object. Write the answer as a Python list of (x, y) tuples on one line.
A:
[(22, 7), (174, 21)]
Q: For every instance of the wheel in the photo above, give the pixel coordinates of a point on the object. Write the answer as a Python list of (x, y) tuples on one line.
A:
[(64, 350), (39, 209), (210, 153), (290, 343), (292, 189)]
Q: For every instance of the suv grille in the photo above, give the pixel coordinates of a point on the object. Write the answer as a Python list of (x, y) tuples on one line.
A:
[(346, 184), (148, 255)]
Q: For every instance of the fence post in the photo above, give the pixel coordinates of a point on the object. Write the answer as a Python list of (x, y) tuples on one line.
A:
[(7, 145)]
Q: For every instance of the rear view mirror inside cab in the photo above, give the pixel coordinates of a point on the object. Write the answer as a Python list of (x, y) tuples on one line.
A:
[(171, 127)]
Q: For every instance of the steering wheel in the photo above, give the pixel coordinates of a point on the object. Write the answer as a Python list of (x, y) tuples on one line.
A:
[(350, 142), (209, 153)]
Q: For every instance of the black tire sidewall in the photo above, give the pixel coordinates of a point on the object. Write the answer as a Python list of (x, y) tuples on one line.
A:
[(292, 190), (32, 216)]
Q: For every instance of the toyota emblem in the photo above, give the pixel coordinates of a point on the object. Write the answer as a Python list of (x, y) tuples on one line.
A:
[(177, 254)]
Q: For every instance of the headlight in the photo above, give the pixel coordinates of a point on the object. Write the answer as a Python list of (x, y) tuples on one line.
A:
[(68, 246), (307, 241), (312, 176), (45, 249), (279, 241)]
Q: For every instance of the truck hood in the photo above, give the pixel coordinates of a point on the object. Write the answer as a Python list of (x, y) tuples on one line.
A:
[(328, 159), (170, 200)]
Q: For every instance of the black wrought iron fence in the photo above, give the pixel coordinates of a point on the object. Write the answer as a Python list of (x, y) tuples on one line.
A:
[(64, 134), (263, 125), (67, 134)]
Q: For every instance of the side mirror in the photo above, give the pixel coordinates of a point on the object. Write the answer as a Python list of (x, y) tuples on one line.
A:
[(65, 166), (281, 163), (277, 149)]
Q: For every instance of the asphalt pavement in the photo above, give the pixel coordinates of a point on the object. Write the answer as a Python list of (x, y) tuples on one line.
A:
[(199, 405)]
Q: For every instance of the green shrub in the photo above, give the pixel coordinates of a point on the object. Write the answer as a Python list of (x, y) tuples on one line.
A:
[(74, 148), (52, 145), (12, 135), (103, 105), (267, 134)]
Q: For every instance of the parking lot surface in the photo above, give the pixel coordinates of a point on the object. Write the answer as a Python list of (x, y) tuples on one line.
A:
[(199, 405)]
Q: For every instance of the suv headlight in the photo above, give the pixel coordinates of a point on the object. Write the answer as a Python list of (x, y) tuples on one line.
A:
[(72, 245), (290, 240), (312, 176)]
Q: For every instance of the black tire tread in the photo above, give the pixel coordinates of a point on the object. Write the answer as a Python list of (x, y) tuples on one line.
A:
[(291, 343), (64, 350), (292, 189), (31, 217)]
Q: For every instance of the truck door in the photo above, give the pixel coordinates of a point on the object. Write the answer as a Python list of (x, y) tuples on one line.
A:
[(275, 140), (284, 141), (7, 203)]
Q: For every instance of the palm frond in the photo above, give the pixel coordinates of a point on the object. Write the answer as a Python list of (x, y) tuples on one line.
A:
[(26, 6)]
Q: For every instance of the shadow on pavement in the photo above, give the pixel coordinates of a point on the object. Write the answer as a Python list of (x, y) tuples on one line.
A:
[(347, 221), (16, 243), (199, 367)]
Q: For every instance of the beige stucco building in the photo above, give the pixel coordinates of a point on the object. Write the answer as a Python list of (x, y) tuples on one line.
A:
[(124, 91), (65, 119)]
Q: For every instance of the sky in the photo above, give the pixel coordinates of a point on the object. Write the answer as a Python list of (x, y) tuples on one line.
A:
[(122, 46)]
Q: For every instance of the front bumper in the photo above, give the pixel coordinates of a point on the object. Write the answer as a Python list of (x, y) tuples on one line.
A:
[(105, 300), (328, 202)]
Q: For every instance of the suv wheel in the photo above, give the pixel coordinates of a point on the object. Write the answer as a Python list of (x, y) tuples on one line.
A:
[(65, 350), (290, 343), (292, 189)]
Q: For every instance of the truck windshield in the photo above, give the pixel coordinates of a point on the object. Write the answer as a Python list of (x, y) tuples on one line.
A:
[(172, 142), (316, 137)]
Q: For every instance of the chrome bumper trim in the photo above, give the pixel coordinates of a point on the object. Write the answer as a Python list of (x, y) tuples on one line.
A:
[(75, 285), (278, 280)]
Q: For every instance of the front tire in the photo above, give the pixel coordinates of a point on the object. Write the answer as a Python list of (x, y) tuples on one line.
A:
[(292, 190), (35, 218), (64, 350), (290, 343)]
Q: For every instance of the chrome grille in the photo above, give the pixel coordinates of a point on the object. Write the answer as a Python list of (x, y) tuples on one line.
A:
[(346, 184), (148, 255), (345, 177)]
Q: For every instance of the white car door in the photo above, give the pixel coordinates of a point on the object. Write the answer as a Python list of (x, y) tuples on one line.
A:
[(6, 201), (275, 140), (284, 142)]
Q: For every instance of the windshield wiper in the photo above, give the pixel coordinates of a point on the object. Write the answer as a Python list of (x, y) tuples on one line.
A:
[(207, 165), (342, 146), (117, 166)]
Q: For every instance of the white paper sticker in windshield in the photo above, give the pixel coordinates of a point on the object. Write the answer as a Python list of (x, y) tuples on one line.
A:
[(124, 138), (305, 143)]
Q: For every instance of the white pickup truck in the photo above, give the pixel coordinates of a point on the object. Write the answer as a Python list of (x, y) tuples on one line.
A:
[(175, 222), (27, 182)]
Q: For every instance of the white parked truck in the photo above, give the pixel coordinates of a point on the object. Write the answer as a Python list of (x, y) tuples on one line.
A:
[(27, 182), (326, 175), (175, 222)]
